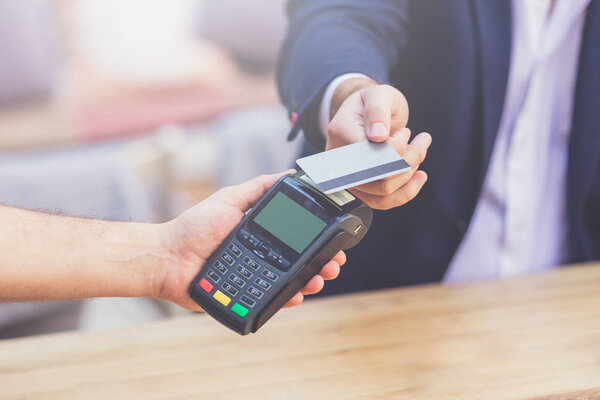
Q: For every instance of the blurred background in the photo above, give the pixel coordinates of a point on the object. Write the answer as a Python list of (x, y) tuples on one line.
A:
[(132, 111)]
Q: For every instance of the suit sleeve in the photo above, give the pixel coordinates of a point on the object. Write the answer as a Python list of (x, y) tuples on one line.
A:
[(329, 38)]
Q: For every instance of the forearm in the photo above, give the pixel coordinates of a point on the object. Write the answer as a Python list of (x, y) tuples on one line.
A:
[(46, 257)]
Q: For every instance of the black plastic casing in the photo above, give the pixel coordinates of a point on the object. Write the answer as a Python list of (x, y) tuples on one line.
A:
[(346, 226)]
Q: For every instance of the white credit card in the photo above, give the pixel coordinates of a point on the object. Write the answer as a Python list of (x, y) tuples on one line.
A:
[(352, 165)]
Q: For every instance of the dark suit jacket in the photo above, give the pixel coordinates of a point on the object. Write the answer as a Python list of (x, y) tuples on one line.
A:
[(451, 60)]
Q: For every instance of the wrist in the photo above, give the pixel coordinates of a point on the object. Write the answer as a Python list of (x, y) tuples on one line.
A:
[(159, 258), (143, 251), (175, 263)]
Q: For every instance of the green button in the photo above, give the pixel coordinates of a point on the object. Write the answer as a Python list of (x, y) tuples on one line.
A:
[(239, 310)]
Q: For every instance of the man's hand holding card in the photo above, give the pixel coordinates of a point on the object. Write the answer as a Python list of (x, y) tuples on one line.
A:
[(362, 109)]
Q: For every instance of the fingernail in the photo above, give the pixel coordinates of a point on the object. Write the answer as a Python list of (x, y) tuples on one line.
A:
[(377, 131)]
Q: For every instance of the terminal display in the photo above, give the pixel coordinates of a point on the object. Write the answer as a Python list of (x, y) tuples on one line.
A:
[(290, 222)]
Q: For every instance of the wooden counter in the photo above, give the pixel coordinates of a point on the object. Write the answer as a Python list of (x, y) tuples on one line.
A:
[(536, 337)]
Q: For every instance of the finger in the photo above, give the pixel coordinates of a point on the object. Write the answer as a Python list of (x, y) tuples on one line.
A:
[(294, 301), (315, 285), (386, 109), (340, 258), (189, 304), (245, 195), (401, 196), (330, 271), (379, 103), (415, 152), (389, 185), (399, 139), (347, 125)]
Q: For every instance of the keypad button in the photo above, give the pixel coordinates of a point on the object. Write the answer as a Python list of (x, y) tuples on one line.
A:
[(253, 242), (239, 310), (227, 258), (255, 292), (229, 288), (219, 266), (221, 298), (247, 300), (237, 280), (283, 263), (272, 256), (262, 283), (245, 272), (270, 275), (262, 250), (206, 285), (243, 235), (234, 250), (213, 276), (251, 263)]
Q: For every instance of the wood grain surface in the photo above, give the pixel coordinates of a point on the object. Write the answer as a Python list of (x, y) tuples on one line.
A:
[(535, 337)]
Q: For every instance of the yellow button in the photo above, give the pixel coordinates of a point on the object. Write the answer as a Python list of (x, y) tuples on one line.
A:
[(221, 298)]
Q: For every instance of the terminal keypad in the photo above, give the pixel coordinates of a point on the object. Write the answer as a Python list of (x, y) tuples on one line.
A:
[(232, 279)]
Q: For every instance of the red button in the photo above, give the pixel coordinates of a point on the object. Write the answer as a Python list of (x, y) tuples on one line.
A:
[(206, 285)]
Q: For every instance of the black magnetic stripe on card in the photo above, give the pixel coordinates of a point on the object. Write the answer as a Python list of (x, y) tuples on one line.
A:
[(362, 175)]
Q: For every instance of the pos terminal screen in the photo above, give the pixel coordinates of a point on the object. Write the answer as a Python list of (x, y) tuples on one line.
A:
[(290, 222)]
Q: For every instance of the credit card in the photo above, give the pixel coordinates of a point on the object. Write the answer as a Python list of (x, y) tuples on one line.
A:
[(352, 165)]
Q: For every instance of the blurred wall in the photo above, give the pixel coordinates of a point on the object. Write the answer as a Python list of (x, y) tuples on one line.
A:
[(252, 31), (28, 48)]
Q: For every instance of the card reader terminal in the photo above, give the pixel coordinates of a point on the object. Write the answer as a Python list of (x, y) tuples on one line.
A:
[(279, 245)]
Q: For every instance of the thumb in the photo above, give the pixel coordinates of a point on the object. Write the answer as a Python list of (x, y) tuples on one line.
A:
[(382, 106), (245, 195)]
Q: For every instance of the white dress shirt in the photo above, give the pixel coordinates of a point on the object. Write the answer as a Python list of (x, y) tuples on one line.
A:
[(519, 223)]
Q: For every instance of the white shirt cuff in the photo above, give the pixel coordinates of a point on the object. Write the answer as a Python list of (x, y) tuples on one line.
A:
[(328, 96)]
